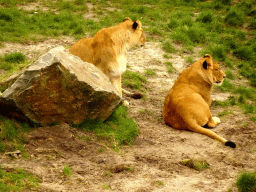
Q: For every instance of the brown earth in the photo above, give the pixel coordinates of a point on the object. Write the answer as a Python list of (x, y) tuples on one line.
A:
[(152, 163)]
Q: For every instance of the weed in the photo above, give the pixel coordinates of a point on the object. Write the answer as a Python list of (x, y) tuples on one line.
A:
[(249, 108), (86, 138), (106, 186), (230, 42), (107, 173), (17, 180), (67, 171), (150, 72), (224, 113), (159, 183), (234, 17), (243, 52), (190, 59), (102, 149), (246, 182), (187, 21), (226, 86), (12, 135), (118, 129), (230, 102), (218, 52), (229, 75), (247, 92), (133, 80), (173, 23), (168, 47), (205, 17), (199, 165), (14, 57), (252, 24), (180, 36), (196, 34), (169, 66), (242, 99)]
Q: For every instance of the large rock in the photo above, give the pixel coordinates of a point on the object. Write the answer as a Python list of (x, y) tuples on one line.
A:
[(60, 87)]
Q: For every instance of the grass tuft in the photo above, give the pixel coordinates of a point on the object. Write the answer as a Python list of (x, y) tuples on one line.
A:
[(67, 171), (168, 47), (199, 165), (235, 17), (17, 180), (133, 79), (205, 17), (118, 129), (246, 182), (14, 57)]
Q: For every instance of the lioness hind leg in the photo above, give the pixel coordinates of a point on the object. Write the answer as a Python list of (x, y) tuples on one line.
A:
[(213, 122), (116, 81)]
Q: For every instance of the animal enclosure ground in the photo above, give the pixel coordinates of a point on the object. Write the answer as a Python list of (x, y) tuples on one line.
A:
[(153, 162)]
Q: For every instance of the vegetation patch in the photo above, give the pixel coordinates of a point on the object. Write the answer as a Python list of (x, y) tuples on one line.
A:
[(133, 80), (12, 135), (246, 182), (67, 171), (199, 165), (17, 180), (118, 129)]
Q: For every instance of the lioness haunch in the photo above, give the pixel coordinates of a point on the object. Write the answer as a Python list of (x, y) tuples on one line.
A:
[(187, 104), (107, 50)]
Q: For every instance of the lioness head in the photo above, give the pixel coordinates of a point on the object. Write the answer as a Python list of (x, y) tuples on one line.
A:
[(138, 35), (213, 71)]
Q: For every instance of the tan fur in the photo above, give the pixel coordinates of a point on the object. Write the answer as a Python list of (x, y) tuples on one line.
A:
[(187, 104), (107, 49)]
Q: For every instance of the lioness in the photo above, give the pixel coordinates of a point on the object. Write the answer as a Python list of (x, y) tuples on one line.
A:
[(187, 104), (107, 49)]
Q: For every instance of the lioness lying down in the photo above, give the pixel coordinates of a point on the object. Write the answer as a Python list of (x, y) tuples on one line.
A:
[(107, 49), (187, 104)]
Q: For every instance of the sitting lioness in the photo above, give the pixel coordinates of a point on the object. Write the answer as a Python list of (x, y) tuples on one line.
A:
[(187, 104), (107, 49)]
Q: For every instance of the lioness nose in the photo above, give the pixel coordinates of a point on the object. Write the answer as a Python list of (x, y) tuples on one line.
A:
[(224, 76)]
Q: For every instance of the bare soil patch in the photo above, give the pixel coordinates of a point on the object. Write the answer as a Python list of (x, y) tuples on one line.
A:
[(152, 163)]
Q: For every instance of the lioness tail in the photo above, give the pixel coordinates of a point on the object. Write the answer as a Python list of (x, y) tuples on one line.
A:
[(133, 95)]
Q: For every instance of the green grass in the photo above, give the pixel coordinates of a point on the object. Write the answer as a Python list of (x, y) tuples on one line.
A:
[(118, 129), (17, 180), (159, 183), (12, 135), (150, 72), (224, 113), (199, 165), (246, 182), (67, 171), (169, 66), (12, 62), (168, 47), (133, 79)]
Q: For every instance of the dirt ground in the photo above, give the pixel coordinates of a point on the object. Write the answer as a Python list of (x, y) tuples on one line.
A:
[(152, 163)]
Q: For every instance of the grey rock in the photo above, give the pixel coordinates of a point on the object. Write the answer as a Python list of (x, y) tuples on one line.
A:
[(60, 88)]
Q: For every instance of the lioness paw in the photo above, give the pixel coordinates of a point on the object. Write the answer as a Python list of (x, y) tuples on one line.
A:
[(216, 120), (126, 103)]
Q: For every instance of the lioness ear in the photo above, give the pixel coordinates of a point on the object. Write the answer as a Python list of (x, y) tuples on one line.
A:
[(207, 55), (127, 18), (135, 25), (205, 65)]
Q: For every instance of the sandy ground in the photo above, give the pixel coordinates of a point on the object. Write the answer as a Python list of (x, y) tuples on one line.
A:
[(152, 163)]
